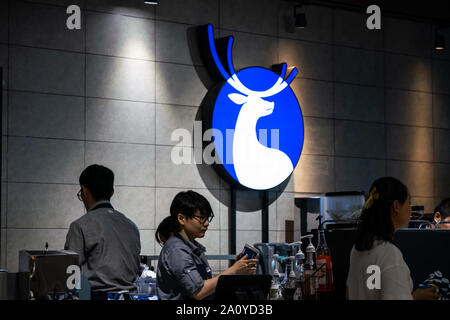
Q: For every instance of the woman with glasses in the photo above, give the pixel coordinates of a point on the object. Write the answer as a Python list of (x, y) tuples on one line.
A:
[(183, 270)]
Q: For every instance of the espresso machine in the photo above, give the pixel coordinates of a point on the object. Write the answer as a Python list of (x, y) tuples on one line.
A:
[(47, 272)]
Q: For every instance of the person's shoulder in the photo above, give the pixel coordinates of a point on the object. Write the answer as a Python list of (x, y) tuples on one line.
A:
[(388, 247), (124, 217), (379, 249), (78, 223), (174, 245), (395, 251), (175, 251), (174, 242), (390, 253)]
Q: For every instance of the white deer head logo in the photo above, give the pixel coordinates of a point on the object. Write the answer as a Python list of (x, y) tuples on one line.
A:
[(256, 165)]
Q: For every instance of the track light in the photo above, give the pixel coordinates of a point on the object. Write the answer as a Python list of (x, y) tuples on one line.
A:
[(439, 41), (300, 18)]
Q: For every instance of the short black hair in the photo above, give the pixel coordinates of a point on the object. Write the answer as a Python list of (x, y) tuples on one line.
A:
[(187, 203), (443, 208), (99, 180), (375, 220)]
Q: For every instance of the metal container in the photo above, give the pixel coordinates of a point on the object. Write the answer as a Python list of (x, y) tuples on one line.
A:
[(341, 207), (47, 270)]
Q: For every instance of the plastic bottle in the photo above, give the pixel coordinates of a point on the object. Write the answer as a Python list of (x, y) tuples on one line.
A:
[(288, 284), (298, 269), (283, 283), (275, 292), (299, 258), (310, 279), (324, 267)]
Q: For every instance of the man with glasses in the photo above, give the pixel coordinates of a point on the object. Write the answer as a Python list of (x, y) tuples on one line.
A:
[(183, 270), (107, 242)]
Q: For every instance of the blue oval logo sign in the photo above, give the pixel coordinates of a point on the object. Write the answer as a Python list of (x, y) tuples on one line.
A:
[(256, 119)]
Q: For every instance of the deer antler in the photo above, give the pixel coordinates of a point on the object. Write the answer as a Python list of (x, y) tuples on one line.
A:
[(233, 79), (277, 87)]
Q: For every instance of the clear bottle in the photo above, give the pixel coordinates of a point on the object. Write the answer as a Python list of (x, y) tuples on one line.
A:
[(324, 267), (310, 279), (288, 285), (298, 269), (275, 291), (284, 281)]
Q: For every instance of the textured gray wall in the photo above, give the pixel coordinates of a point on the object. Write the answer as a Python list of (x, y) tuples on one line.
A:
[(375, 103)]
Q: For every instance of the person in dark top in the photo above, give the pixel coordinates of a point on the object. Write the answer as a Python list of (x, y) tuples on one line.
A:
[(442, 214), (107, 242), (183, 271)]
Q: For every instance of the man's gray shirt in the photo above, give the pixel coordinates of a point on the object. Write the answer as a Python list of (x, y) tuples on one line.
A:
[(182, 268), (108, 245)]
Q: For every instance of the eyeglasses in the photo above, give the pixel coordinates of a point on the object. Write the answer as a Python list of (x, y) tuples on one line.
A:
[(203, 219), (79, 195)]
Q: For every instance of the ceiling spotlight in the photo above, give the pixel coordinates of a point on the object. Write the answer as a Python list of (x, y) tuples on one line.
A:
[(154, 2), (300, 18), (439, 41)]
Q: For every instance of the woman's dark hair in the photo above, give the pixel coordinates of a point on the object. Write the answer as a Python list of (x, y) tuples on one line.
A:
[(164, 230), (186, 203), (443, 208), (375, 220), (99, 180)]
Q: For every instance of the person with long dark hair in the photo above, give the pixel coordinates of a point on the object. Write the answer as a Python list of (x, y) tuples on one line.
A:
[(377, 268), (183, 271)]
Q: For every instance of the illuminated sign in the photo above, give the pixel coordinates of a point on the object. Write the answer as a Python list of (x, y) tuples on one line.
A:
[(255, 116)]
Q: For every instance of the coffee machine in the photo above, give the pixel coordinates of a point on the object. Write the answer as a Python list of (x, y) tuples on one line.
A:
[(47, 270)]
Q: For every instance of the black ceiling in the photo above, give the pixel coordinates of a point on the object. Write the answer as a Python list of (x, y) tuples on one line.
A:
[(429, 11)]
